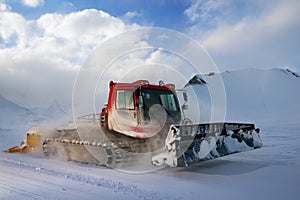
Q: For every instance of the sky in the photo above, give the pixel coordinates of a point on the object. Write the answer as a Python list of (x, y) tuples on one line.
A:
[(44, 43)]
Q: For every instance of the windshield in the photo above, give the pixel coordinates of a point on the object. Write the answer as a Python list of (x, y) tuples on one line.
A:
[(166, 98)]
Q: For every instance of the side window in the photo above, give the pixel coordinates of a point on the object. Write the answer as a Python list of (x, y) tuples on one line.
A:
[(124, 99)]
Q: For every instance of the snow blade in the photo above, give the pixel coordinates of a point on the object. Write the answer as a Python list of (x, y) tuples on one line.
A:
[(189, 144)]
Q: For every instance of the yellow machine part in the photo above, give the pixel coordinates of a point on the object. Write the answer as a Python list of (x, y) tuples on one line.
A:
[(33, 141)]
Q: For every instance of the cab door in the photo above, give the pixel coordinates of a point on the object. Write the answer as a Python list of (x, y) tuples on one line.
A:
[(125, 113)]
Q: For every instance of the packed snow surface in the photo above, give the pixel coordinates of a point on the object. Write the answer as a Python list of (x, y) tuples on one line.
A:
[(268, 98)]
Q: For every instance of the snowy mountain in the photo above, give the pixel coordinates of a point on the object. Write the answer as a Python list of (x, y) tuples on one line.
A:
[(13, 114), (14, 121), (254, 95), (262, 95)]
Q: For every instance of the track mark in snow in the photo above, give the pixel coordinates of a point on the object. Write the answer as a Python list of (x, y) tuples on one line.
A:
[(116, 186), (24, 193), (106, 183)]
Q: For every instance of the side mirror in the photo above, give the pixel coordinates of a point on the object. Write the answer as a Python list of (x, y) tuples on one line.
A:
[(185, 96), (184, 107)]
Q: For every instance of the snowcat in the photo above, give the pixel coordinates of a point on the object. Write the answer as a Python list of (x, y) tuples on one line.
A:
[(140, 117)]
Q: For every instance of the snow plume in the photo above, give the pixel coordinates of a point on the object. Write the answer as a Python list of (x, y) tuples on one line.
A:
[(39, 58)]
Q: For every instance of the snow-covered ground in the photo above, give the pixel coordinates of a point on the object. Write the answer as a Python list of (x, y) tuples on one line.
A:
[(271, 172)]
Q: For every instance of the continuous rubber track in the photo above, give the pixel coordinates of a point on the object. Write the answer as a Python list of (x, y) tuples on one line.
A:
[(198, 142), (111, 150)]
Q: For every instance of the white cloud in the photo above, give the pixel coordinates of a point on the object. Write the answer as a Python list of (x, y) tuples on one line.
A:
[(39, 58), (33, 3), (4, 7), (191, 12), (131, 14), (85, 26), (202, 10), (266, 38)]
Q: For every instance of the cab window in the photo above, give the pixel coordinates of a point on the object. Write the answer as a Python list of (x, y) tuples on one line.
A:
[(124, 100), (168, 102)]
